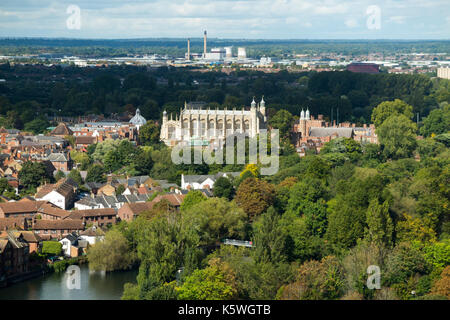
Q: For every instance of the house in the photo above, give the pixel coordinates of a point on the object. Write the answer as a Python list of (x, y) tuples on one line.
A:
[(82, 142), (203, 181), (13, 223), (92, 235), (99, 217), (14, 254), (19, 209), (61, 130), (56, 229), (113, 201), (130, 211), (107, 190), (70, 245), (61, 194), (61, 161), (32, 239)]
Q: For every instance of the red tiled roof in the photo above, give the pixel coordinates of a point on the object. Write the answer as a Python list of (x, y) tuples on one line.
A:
[(66, 224)]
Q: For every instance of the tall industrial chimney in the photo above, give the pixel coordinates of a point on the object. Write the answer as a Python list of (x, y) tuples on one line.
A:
[(189, 50), (204, 44)]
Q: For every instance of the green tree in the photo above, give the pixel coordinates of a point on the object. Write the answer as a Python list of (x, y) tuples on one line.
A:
[(223, 188), (96, 173), (113, 253), (33, 174), (397, 135), (206, 284), (192, 198), (379, 224), (282, 121), (149, 134), (387, 109), (59, 175), (75, 175), (216, 219), (437, 122)]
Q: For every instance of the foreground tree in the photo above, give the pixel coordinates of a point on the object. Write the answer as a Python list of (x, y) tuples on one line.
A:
[(387, 109), (113, 253), (255, 196), (397, 135)]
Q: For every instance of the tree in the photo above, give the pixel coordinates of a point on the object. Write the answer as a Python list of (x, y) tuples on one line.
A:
[(397, 135), (316, 281), (387, 109), (255, 196), (207, 284), (38, 125), (282, 121), (33, 174), (216, 219), (149, 134), (120, 189), (379, 224), (442, 286), (269, 238), (192, 198), (437, 122), (113, 253), (223, 188), (59, 175), (75, 175), (96, 173)]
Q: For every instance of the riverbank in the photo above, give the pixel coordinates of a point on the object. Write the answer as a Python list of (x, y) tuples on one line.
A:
[(53, 286), (58, 267)]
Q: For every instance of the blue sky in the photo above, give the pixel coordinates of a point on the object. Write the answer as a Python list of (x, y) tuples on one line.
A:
[(250, 19)]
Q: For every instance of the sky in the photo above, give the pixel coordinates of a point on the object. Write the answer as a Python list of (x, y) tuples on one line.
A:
[(230, 19)]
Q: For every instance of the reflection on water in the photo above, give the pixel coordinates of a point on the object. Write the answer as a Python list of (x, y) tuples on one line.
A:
[(93, 286)]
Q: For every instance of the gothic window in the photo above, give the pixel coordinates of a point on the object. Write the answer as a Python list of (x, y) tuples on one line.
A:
[(203, 127), (246, 125), (237, 125), (171, 130), (229, 127), (211, 128), (220, 125), (194, 128)]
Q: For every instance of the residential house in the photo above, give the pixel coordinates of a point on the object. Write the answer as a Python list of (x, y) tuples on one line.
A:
[(61, 161), (99, 217), (61, 194), (113, 201), (14, 254), (195, 182), (13, 223), (70, 245), (92, 235), (56, 229)]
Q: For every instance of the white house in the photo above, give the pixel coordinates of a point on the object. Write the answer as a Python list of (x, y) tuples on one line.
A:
[(196, 182), (61, 194), (68, 242), (92, 235)]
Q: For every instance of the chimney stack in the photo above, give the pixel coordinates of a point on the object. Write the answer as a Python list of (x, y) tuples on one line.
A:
[(189, 50), (204, 44)]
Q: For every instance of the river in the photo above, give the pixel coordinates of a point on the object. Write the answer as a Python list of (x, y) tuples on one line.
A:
[(54, 286)]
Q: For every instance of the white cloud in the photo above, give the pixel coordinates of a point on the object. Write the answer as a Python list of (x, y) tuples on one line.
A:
[(351, 23)]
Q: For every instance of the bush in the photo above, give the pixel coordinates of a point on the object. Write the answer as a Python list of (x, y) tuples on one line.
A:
[(52, 248)]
